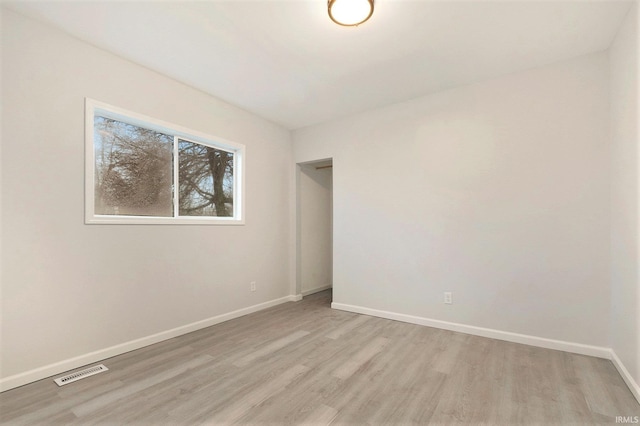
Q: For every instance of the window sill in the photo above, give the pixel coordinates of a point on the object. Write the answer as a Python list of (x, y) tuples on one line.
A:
[(150, 220)]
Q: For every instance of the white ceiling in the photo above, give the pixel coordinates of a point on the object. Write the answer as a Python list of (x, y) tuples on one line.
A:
[(286, 61)]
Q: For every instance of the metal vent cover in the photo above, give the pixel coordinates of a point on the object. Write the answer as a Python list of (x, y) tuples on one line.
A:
[(70, 378)]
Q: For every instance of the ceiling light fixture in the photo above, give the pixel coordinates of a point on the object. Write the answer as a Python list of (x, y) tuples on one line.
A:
[(350, 13)]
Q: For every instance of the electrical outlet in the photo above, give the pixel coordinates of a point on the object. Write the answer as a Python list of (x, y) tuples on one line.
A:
[(252, 286), (448, 297)]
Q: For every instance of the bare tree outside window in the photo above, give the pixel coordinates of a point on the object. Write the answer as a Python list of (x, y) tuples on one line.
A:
[(133, 170), (149, 173), (206, 180)]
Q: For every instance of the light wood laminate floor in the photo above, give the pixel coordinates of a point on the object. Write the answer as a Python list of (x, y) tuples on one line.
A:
[(304, 363)]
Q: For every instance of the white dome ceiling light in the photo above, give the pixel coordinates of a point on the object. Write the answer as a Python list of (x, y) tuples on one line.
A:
[(350, 13)]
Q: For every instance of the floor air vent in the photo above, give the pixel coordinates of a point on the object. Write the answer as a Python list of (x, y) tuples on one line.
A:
[(65, 380)]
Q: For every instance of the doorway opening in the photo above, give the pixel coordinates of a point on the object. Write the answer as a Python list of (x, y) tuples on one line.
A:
[(315, 227)]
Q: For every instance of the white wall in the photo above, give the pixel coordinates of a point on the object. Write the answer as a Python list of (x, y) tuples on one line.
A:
[(315, 228), (498, 192), (625, 196), (69, 288)]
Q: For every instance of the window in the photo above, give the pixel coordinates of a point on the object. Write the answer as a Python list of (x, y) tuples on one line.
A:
[(141, 170)]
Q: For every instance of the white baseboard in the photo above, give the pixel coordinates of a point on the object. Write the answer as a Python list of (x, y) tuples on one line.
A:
[(628, 379), (316, 290), (99, 355), (82, 360), (578, 348)]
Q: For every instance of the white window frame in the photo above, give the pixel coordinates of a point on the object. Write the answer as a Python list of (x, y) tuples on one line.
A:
[(93, 107)]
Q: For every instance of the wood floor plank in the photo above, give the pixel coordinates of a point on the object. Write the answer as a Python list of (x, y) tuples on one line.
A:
[(322, 415), (270, 348), (347, 326), (364, 355), (46, 412), (243, 405), (305, 363), (136, 387)]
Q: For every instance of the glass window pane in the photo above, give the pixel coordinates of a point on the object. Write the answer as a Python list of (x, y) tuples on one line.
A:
[(206, 180), (133, 170)]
